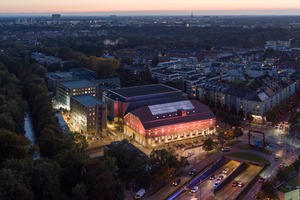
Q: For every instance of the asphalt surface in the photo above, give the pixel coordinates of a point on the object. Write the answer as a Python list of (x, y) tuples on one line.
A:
[(230, 192), (169, 189), (206, 188)]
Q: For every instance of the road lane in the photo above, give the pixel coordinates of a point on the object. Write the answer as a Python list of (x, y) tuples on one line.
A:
[(230, 192), (206, 188)]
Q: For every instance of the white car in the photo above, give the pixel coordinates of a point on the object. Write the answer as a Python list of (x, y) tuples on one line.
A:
[(225, 171), (194, 189)]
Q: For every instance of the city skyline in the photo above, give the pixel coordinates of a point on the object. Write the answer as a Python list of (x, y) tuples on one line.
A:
[(154, 7)]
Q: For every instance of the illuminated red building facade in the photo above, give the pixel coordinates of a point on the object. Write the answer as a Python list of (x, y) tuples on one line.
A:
[(162, 123)]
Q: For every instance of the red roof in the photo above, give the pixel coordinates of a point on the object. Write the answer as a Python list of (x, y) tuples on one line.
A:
[(149, 121)]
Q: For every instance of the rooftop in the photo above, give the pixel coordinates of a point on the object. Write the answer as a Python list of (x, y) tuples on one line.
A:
[(159, 109), (87, 100), (195, 111), (78, 84), (144, 90), (59, 74)]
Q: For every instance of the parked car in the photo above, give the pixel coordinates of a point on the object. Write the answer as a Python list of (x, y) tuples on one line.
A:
[(176, 182), (140, 193), (225, 149)]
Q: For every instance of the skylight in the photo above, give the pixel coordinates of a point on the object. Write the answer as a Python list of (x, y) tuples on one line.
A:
[(171, 107)]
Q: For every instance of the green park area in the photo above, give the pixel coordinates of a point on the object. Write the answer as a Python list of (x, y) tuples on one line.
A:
[(290, 185), (249, 157)]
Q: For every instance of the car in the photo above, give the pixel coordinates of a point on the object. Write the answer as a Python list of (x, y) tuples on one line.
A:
[(176, 182), (261, 179), (276, 158), (140, 193), (281, 165), (225, 149), (220, 178), (241, 184), (234, 184), (194, 189), (212, 177), (215, 140), (216, 184), (224, 171), (192, 172)]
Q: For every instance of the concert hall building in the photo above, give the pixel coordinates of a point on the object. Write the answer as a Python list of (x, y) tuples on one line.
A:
[(167, 122)]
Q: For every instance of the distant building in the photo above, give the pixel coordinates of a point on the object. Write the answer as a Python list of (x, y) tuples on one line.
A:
[(168, 122), (121, 101), (45, 60), (260, 95), (106, 84), (53, 78), (82, 73), (278, 44), (67, 89), (56, 17), (88, 115)]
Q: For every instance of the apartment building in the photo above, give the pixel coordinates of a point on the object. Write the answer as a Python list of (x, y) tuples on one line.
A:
[(65, 90), (88, 115)]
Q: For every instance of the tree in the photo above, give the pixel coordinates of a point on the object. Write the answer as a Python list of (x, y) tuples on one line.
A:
[(126, 157), (154, 61), (101, 179), (221, 138), (208, 145), (12, 186), (268, 190), (71, 161), (13, 146), (127, 61), (241, 114), (79, 140), (46, 179), (164, 164), (48, 141), (7, 122), (230, 134), (238, 132), (79, 192)]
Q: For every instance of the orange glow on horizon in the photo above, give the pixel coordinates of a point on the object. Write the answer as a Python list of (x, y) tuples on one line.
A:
[(138, 5)]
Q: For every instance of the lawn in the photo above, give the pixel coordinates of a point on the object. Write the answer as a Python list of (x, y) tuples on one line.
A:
[(249, 156), (251, 147), (290, 185)]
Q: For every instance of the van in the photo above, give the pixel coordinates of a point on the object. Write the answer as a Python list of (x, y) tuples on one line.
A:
[(225, 149), (140, 193)]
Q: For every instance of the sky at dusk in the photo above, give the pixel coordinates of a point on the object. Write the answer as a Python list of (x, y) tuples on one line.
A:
[(277, 7)]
